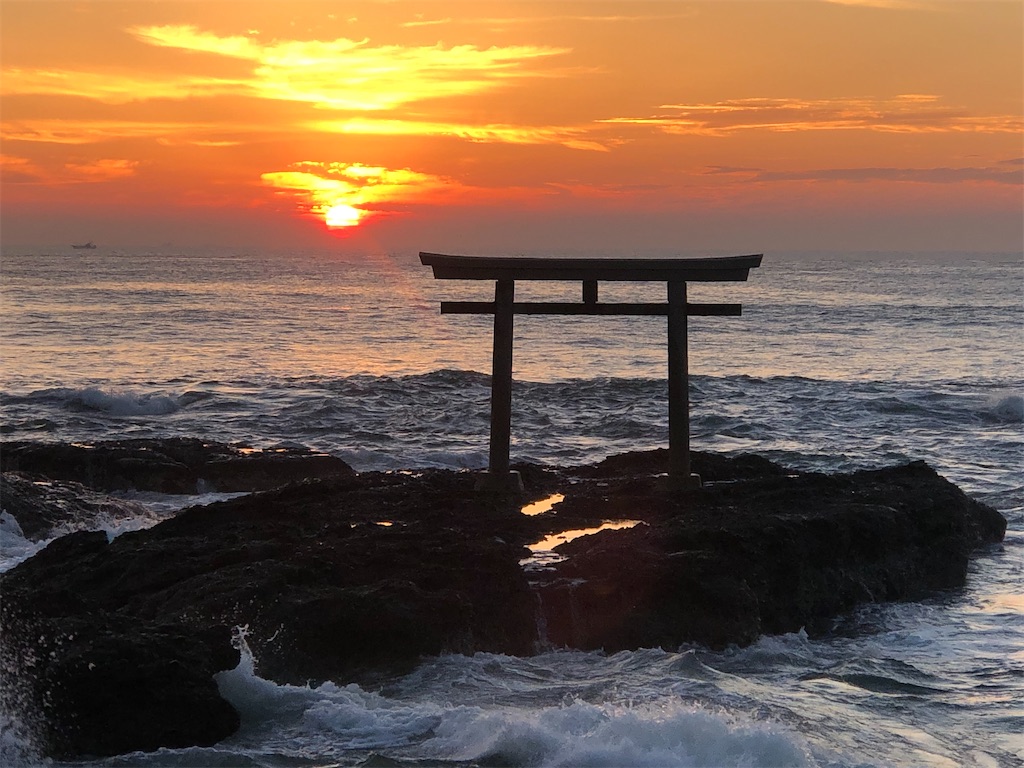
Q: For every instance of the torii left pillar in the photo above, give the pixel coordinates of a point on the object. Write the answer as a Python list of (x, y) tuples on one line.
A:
[(499, 476)]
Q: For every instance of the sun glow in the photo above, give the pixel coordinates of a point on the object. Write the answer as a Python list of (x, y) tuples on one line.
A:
[(342, 215), (347, 194)]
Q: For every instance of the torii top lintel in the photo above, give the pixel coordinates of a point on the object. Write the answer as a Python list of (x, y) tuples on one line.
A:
[(710, 269)]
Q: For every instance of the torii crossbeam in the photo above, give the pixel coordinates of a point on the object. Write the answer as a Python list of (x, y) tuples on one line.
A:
[(676, 273)]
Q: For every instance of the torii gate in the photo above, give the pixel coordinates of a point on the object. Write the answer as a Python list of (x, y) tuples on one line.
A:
[(506, 270)]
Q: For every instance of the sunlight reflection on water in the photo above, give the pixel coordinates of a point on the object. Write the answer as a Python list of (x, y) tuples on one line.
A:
[(551, 541), (543, 505)]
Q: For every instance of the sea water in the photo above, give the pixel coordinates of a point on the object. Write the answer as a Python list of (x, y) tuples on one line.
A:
[(840, 361)]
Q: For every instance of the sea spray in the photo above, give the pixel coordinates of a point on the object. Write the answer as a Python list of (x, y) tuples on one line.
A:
[(17, 748), (14, 546)]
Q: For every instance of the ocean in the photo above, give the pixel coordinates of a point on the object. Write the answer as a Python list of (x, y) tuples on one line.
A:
[(840, 361)]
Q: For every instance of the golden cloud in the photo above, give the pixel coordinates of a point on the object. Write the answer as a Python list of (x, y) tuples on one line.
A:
[(340, 74), (335, 74), (352, 74)]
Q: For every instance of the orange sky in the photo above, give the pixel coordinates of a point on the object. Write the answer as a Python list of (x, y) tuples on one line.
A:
[(495, 126)]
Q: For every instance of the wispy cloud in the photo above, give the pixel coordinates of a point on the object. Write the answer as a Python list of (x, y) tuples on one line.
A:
[(421, 22), (940, 175), (21, 170), (511, 21), (114, 87), (893, 5), (571, 137), (105, 169), (61, 131), (908, 113), (921, 175)]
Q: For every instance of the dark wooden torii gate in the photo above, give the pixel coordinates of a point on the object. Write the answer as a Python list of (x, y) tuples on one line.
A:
[(506, 270)]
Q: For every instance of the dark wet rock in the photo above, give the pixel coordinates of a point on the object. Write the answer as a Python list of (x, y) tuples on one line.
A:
[(726, 563), (711, 467), (336, 579), (354, 576), (173, 465), (89, 681), (44, 508)]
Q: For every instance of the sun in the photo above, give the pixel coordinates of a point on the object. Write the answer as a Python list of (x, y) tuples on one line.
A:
[(342, 215)]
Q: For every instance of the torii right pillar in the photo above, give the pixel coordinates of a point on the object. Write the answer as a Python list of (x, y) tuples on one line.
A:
[(679, 390)]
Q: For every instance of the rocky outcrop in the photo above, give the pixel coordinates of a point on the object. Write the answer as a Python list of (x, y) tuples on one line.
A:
[(352, 576), (174, 465), (88, 681), (336, 579), (734, 560)]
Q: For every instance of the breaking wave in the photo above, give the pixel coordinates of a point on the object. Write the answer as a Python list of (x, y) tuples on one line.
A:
[(406, 721), (1004, 408), (113, 402)]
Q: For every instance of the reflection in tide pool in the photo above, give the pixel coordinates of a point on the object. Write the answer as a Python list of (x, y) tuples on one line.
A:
[(542, 506), (543, 554), (552, 541)]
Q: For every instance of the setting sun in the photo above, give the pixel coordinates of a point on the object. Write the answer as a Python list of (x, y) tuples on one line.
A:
[(342, 215)]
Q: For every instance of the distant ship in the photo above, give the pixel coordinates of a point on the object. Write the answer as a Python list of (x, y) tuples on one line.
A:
[(90, 244)]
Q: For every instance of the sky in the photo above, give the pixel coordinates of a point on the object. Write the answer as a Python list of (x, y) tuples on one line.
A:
[(505, 127)]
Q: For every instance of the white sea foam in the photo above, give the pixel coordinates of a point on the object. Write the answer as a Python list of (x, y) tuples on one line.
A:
[(663, 732), (124, 402), (334, 717), (16, 747), (258, 700)]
